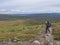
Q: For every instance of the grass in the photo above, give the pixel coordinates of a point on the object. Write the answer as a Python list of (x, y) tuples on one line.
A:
[(18, 29), (21, 30), (56, 31)]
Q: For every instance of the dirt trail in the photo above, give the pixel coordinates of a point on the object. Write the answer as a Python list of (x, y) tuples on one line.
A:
[(47, 38)]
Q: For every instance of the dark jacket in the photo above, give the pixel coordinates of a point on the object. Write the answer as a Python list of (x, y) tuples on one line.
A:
[(48, 24)]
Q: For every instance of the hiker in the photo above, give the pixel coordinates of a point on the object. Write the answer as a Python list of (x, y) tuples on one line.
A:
[(48, 25)]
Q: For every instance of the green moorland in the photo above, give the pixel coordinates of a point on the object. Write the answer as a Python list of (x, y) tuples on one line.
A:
[(18, 29), (24, 30), (56, 27)]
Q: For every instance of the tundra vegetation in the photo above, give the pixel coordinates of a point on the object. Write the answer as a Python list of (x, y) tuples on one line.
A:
[(25, 28)]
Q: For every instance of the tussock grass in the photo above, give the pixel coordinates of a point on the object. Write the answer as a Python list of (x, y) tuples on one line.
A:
[(21, 30), (56, 31), (18, 29)]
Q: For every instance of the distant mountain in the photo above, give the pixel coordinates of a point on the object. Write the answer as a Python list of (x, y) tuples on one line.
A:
[(39, 14), (42, 16)]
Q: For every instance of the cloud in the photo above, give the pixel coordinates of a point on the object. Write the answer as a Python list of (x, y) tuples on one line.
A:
[(3, 10), (31, 6), (12, 10)]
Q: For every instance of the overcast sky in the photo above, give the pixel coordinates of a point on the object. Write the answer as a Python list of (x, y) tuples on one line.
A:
[(29, 6)]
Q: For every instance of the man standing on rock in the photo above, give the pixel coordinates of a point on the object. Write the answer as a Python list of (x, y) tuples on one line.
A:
[(48, 25)]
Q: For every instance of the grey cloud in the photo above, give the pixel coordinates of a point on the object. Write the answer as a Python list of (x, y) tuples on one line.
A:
[(32, 5)]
